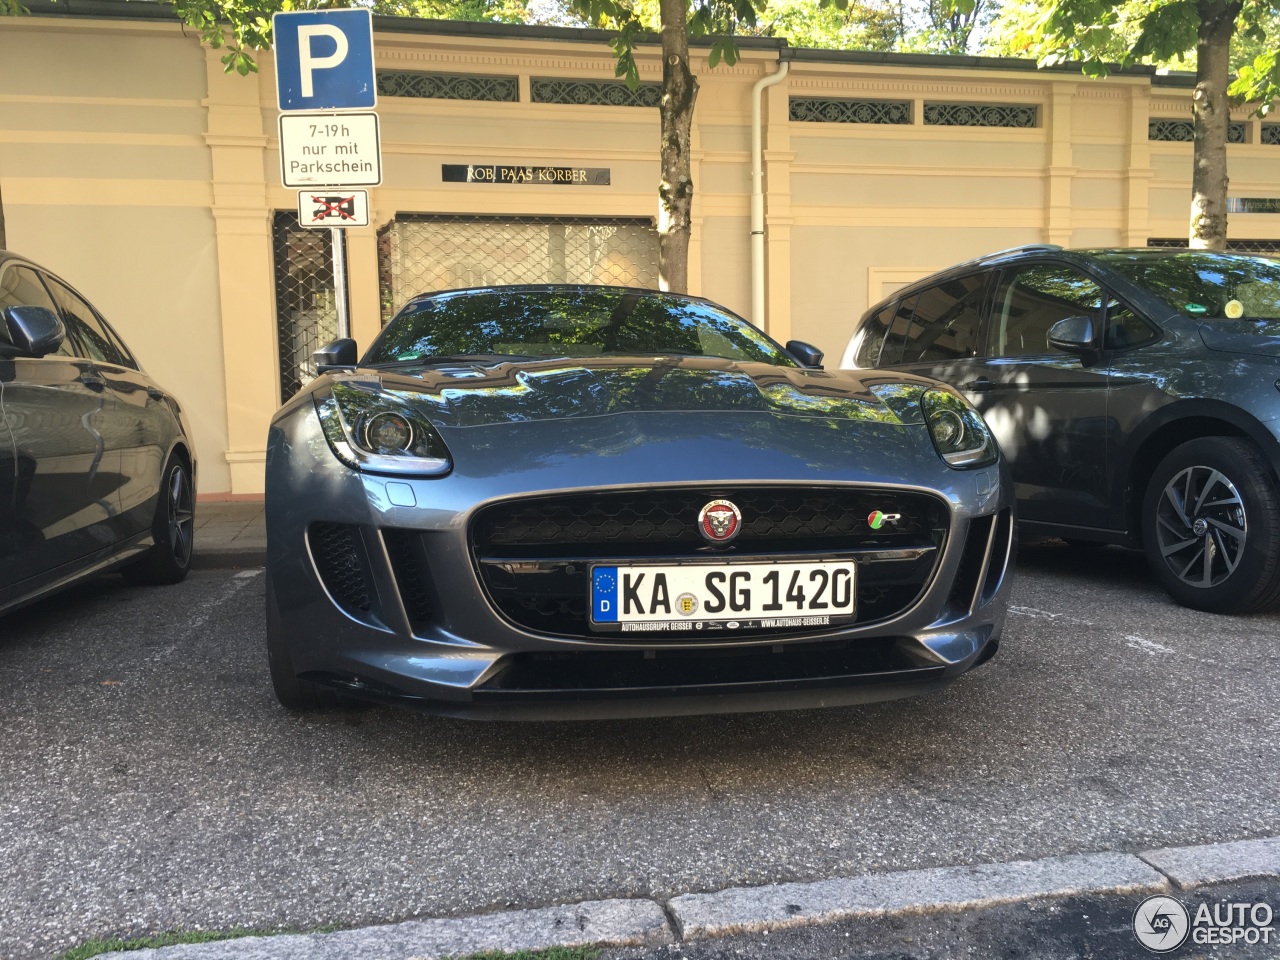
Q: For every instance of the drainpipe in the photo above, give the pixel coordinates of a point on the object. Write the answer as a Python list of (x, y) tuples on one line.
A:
[(757, 189)]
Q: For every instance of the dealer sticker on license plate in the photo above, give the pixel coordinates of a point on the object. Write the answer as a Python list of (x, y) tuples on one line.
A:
[(651, 598)]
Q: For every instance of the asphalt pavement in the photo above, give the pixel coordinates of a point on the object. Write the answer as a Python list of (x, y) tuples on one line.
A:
[(149, 781)]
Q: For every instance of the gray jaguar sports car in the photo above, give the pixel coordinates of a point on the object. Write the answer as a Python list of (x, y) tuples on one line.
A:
[(581, 501)]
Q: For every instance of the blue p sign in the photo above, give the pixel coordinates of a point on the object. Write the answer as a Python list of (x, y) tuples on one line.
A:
[(324, 60)]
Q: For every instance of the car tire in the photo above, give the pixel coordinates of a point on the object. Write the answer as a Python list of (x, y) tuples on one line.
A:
[(172, 529), (1211, 525), (297, 695)]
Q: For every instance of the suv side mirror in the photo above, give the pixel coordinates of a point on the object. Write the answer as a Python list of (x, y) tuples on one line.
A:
[(808, 355), (35, 331), (335, 355), (1074, 335)]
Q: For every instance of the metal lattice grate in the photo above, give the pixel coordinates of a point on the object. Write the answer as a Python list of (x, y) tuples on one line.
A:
[(981, 114), (1266, 248), (448, 86), (306, 303), (1184, 131), (423, 252), (594, 93), (841, 110), (1270, 134)]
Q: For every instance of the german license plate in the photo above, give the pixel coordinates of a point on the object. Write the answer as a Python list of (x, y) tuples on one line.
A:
[(652, 598)]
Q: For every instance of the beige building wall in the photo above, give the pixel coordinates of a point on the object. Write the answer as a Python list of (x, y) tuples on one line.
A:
[(133, 166)]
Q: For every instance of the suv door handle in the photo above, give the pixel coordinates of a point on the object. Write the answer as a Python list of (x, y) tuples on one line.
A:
[(92, 381), (981, 385)]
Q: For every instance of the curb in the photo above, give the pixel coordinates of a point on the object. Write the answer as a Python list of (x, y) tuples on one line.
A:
[(699, 916), (229, 558)]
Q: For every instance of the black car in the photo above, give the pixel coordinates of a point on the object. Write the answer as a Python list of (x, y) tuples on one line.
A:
[(97, 469), (1135, 393)]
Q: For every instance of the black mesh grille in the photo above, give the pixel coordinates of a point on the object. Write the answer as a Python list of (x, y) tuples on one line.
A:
[(534, 556), (787, 519), (341, 560), (412, 576)]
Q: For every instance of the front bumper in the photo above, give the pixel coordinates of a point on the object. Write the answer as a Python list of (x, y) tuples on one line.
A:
[(463, 658)]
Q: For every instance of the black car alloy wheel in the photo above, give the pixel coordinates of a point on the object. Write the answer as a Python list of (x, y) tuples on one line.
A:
[(172, 529), (1201, 527), (1211, 517), (181, 514)]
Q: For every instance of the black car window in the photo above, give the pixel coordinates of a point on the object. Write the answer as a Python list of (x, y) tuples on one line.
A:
[(874, 330), (946, 320), (1032, 299), (570, 323), (896, 339), (21, 287), (83, 323), (1203, 285), (1125, 328)]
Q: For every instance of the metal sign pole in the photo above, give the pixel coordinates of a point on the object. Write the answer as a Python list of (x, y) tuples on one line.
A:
[(340, 281)]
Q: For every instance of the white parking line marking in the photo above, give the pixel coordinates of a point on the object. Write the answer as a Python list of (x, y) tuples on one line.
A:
[(1148, 646), (1037, 614), (246, 574)]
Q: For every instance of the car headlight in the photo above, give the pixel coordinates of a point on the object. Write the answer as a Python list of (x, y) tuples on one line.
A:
[(957, 430), (378, 432)]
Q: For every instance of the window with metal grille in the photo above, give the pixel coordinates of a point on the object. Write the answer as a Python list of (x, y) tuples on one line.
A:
[(423, 252), (981, 114), (306, 302), (594, 93), (1184, 131), (1270, 134), (844, 110), (448, 86), (1266, 248)]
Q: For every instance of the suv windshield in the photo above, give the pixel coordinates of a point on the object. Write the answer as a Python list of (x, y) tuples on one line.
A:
[(1205, 286), (569, 322)]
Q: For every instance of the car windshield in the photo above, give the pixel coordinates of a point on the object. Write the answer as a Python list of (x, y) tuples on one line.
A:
[(568, 322), (1206, 286)]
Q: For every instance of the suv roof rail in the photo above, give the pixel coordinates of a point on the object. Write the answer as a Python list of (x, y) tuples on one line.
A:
[(1025, 248)]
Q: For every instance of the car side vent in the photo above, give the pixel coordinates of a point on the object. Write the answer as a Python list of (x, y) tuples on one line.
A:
[(964, 589), (342, 563), (413, 578), (1001, 554)]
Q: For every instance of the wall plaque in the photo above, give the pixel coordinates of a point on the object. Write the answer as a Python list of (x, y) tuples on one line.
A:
[(514, 173)]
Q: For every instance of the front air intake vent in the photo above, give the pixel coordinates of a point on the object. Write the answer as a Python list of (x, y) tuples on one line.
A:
[(413, 578), (343, 564)]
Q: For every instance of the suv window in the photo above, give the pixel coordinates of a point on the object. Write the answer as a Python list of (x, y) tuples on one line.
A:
[(1032, 299), (21, 287), (86, 326), (945, 325), (896, 338), (873, 333), (1124, 327)]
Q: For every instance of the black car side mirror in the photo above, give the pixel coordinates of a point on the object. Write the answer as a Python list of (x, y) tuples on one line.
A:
[(1074, 335), (336, 355), (808, 355), (34, 331)]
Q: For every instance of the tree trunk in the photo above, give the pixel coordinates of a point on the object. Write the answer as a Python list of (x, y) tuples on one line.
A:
[(1212, 114), (675, 192)]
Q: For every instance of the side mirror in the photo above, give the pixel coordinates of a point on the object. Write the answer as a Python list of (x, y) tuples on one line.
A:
[(35, 331), (336, 355), (1074, 335), (808, 355)]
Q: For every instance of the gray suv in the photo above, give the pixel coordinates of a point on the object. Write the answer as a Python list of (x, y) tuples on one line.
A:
[(1136, 395)]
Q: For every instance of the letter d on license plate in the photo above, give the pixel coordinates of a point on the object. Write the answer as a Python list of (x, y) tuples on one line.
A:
[(722, 596)]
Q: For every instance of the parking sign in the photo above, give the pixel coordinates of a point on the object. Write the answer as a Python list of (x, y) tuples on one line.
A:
[(324, 60)]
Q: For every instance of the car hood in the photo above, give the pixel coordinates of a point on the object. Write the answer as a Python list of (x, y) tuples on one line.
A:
[(470, 395), (1243, 336)]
